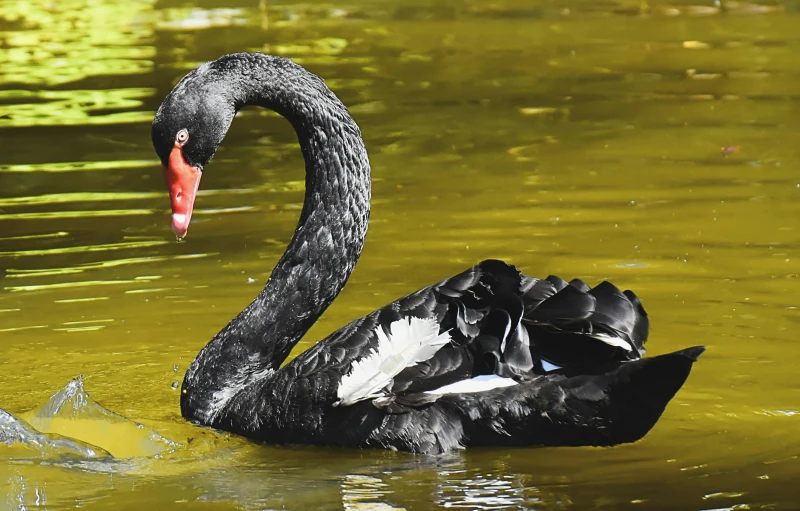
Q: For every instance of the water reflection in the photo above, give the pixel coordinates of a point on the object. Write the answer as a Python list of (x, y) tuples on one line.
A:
[(182, 19), (346, 479), (50, 45), (77, 166), (274, 477), (488, 491), (78, 107)]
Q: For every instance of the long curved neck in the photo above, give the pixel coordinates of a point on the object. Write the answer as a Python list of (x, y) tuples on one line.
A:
[(325, 246)]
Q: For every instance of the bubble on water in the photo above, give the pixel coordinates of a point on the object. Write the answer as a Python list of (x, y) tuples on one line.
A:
[(174, 385)]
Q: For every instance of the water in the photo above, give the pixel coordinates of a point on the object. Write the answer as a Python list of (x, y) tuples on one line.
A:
[(654, 144)]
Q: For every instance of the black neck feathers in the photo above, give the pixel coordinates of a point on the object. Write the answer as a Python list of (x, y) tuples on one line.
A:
[(330, 234)]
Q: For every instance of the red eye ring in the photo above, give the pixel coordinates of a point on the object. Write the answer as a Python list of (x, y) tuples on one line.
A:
[(182, 136)]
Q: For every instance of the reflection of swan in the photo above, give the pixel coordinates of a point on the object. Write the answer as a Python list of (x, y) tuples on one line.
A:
[(484, 491), (452, 483), (489, 356), (365, 493)]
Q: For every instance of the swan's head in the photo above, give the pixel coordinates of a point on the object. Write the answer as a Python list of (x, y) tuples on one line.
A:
[(188, 127)]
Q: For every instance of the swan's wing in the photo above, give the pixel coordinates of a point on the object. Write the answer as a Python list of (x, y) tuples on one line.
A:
[(617, 405), (487, 327)]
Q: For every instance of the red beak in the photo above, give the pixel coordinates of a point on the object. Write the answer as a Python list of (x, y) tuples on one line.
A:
[(182, 182)]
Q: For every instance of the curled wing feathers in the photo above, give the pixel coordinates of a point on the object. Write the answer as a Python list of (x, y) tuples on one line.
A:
[(409, 341)]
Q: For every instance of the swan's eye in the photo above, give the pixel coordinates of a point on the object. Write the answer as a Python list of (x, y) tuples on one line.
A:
[(182, 137)]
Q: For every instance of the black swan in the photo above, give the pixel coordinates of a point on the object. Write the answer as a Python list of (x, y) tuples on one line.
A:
[(487, 357)]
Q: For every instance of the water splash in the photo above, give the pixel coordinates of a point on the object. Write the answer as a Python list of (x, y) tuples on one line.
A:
[(72, 413), (16, 432)]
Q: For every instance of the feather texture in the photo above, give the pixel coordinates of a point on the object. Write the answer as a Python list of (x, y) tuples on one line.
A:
[(410, 341)]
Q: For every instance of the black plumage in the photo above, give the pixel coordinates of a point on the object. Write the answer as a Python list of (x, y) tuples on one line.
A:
[(568, 355)]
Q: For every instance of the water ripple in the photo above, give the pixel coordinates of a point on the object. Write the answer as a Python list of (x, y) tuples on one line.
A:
[(79, 166), (45, 215), (85, 248)]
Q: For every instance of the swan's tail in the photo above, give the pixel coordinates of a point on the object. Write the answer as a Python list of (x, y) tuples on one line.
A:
[(616, 406)]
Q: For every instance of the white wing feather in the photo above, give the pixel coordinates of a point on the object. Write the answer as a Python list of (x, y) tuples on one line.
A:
[(410, 341), (613, 341)]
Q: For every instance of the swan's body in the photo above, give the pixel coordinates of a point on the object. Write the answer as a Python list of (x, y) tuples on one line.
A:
[(488, 357)]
